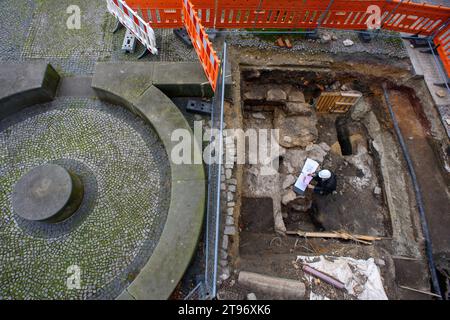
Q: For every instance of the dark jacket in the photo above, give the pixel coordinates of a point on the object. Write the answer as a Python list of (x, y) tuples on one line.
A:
[(325, 187)]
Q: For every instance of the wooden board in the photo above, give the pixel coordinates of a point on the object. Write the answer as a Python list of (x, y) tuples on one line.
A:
[(337, 102)]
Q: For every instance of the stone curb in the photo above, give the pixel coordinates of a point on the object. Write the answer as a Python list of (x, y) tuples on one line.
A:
[(182, 230), (26, 84), (175, 79)]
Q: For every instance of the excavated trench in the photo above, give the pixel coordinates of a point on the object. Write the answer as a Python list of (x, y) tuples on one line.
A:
[(284, 100), (374, 194)]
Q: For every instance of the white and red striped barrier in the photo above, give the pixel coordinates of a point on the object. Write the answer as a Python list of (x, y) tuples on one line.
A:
[(133, 22)]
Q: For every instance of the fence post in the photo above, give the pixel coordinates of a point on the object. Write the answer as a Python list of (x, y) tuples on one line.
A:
[(319, 23), (438, 30), (391, 14)]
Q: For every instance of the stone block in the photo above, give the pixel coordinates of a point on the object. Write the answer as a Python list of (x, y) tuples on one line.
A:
[(26, 84)]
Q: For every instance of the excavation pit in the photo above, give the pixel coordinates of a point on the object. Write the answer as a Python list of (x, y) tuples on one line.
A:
[(286, 100)]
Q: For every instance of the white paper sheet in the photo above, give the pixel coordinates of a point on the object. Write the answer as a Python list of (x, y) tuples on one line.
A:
[(304, 179)]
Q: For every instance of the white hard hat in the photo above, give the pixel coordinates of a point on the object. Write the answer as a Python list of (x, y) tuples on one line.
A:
[(325, 174)]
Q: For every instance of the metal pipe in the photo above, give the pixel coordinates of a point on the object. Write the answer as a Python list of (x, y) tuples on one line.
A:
[(422, 216), (391, 14), (435, 32), (436, 61), (325, 13), (323, 276), (222, 99)]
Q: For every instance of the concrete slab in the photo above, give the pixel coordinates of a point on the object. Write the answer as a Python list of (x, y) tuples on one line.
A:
[(159, 109), (175, 79), (76, 87), (26, 84), (126, 80), (178, 79), (425, 65), (125, 296)]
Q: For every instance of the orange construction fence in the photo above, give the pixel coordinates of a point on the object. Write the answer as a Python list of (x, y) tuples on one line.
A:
[(442, 41), (201, 43), (403, 16), (396, 15)]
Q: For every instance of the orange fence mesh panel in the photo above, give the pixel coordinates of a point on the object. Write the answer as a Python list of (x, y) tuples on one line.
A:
[(442, 40), (396, 15), (201, 43), (160, 13), (269, 14)]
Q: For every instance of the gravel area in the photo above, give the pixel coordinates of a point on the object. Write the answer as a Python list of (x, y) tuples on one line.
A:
[(386, 43), (125, 170)]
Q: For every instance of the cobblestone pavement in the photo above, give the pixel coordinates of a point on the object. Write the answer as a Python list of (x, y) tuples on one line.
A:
[(127, 182), (16, 17), (37, 30)]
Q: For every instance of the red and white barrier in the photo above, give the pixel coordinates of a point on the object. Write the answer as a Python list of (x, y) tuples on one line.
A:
[(133, 22)]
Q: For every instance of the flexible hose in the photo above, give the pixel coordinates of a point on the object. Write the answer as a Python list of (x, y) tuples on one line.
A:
[(423, 219)]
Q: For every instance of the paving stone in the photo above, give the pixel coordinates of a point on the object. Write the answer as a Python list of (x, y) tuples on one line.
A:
[(230, 221), (225, 242), (230, 230)]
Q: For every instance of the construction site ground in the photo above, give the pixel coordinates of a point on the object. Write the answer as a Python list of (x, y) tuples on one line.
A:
[(375, 194), (36, 30)]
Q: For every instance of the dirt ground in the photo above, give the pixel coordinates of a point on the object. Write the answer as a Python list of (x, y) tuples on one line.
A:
[(358, 206), (433, 181)]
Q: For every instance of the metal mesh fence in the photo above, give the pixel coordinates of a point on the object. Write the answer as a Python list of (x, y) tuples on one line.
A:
[(207, 288), (212, 238)]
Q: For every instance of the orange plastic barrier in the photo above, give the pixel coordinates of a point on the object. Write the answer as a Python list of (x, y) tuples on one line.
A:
[(396, 15), (442, 40), (201, 43), (159, 13)]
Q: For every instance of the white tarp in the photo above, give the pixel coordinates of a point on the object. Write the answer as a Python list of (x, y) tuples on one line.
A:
[(361, 277), (309, 168)]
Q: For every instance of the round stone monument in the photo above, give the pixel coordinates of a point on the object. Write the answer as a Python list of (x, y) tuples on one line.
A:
[(47, 193)]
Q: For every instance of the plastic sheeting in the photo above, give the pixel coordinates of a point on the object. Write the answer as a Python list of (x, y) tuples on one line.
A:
[(362, 278)]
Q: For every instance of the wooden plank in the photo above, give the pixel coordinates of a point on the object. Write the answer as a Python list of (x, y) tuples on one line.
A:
[(336, 235), (339, 103), (421, 291), (351, 94)]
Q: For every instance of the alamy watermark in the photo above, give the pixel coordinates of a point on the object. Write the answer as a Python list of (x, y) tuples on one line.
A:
[(73, 282), (74, 20), (374, 20), (253, 146)]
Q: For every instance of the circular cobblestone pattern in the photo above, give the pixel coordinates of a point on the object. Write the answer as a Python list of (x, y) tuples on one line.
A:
[(126, 175)]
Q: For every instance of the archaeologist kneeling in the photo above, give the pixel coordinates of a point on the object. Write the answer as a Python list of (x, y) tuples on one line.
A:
[(326, 182)]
